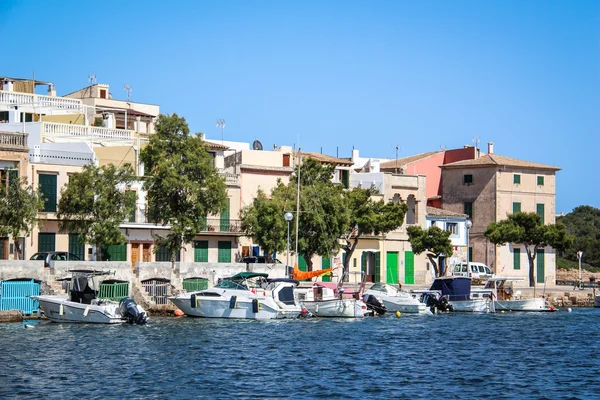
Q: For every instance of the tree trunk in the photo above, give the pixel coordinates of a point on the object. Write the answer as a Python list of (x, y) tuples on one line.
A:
[(531, 257), (435, 266), (349, 251)]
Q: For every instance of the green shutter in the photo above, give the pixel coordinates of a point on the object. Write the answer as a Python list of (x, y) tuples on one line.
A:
[(468, 209), (392, 267), (163, 254), (516, 207), (116, 252), (326, 263), (2, 255), (409, 267), (75, 247), (13, 177), (540, 211), (346, 178), (540, 180), (201, 251), (302, 266), (224, 251), (46, 242), (132, 215), (517, 258), (541, 266), (517, 178), (377, 272), (48, 191), (363, 264), (224, 222)]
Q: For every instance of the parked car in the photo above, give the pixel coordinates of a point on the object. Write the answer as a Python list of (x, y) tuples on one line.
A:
[(260, 260), (473, 270), (48, 256)]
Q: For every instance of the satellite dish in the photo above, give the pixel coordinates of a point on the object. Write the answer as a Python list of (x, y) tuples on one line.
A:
[(256, 145)]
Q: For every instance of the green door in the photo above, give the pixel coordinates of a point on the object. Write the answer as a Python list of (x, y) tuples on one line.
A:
[(392, 267), (363, 265), (46, 242), (224, 221), (224, 251), (326, 263), (409, 267), (302, 266), (48, 191), (541, 266), (201, 251), (75, 247), (377, 272), (116, 252)]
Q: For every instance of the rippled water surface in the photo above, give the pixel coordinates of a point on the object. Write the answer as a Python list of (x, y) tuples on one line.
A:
[(516, 355)]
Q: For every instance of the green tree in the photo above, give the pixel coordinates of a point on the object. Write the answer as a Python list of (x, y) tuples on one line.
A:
[(368, 217), (527, 229), (583, 223), (94, 204), (434, 241), (263, 221), (182, 183), (19, 206)]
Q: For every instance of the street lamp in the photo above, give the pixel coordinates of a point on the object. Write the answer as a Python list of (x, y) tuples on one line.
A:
[(469, 224), (579, 255), (288, 217)]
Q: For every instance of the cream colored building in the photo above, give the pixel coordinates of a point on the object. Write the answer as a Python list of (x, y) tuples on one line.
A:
[(488, 189)]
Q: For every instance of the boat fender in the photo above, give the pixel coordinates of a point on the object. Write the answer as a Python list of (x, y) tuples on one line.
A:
[(552, 308), (255, 306), (86, 311), (233, 302), (194, 301), (178, 312), (61, 309), (398, 314), (253, 291)]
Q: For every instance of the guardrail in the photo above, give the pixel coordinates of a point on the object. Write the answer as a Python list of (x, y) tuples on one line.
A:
[(13, 141)]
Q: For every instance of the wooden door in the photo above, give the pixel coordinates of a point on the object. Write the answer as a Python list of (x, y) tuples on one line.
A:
[(146, 254), (135, 253)]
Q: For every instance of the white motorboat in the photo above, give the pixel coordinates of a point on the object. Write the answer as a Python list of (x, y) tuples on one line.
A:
[(247, 295), (83, 306), (326, 300), (395, 299), (506, 300)]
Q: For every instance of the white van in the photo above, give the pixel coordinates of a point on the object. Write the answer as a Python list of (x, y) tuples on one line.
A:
[(474, 270)]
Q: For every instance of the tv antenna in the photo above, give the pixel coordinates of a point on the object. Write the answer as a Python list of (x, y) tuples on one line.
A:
[(476, 141), (92, 78), (397, 148), (257, 145), (221, 124), (128, 89)]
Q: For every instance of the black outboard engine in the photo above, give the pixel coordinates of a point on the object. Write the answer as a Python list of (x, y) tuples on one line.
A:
[(438, 304), (374, 304), (129, 310)]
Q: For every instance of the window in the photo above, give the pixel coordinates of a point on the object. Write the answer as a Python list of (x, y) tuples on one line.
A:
[(540, 211), (540, 181), (103, 93), (3, 116), (224, 252), (46, 242), (133, 212), (201, 251), (452, 227), (117, 252), (516, 179), (468, 209), (345, 178), (26, 117), (48, 191), (286, 160), (516, 258), (467, 179), (75, 247), (224, 220), (516, 207), (8, 176), (163, 255)]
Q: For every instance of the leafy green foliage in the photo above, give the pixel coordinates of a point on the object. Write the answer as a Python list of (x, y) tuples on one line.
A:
[(527, 229), (434, 241), (182, 183), (584, 224), (95, 203), (263, 221), (19, 206), (368, 217)]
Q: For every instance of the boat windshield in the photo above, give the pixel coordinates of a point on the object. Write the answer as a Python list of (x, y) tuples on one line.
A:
[(242, 283), (228, 283), (385, 288)]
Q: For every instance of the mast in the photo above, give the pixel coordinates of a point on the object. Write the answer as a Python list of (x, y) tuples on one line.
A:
[(298, 208)]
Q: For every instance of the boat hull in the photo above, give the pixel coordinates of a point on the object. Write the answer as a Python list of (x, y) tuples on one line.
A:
[(536, 304), (393, 305), (336, 308), (477, 305), (211, 307), (60, 309)]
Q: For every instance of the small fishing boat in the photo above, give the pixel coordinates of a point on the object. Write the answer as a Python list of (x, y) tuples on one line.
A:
[(83, 305), (247, 295), (505, 300), (327, 300), (395, 299)]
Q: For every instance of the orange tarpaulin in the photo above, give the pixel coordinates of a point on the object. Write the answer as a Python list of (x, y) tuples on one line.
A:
[(302, 275)]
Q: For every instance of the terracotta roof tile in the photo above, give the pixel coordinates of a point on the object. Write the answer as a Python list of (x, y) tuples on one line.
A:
[(438, 212), (328, 159), (493, 160)]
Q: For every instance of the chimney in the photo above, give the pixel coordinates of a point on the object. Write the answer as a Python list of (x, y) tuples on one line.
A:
[(490, 147)]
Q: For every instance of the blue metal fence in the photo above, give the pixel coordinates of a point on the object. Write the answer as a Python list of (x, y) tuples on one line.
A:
[(15, 295)]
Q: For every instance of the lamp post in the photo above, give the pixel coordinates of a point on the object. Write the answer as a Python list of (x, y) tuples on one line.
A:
[(288, 217), (579, 255), (469, 224)]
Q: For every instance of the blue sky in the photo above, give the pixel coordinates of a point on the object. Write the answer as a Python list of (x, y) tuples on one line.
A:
[(332, 75)]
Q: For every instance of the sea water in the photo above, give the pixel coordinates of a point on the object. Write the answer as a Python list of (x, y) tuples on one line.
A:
[(450, 356)]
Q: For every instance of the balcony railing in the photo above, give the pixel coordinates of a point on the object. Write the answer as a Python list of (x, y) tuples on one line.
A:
[(83, 131), (13, 141), (38, 100), (230, 179), (210, 225)]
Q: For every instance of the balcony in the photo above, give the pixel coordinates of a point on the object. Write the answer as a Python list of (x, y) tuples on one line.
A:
[(231, 179), (215, 225), (39, 101), (54, 129), (13, 141)]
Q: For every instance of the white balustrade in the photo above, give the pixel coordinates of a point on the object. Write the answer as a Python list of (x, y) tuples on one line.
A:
[(58, 129), (38, 100)]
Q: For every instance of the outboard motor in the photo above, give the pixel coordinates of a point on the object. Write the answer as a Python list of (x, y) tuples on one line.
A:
[(374, 304), (438, 304), (129, 310)]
